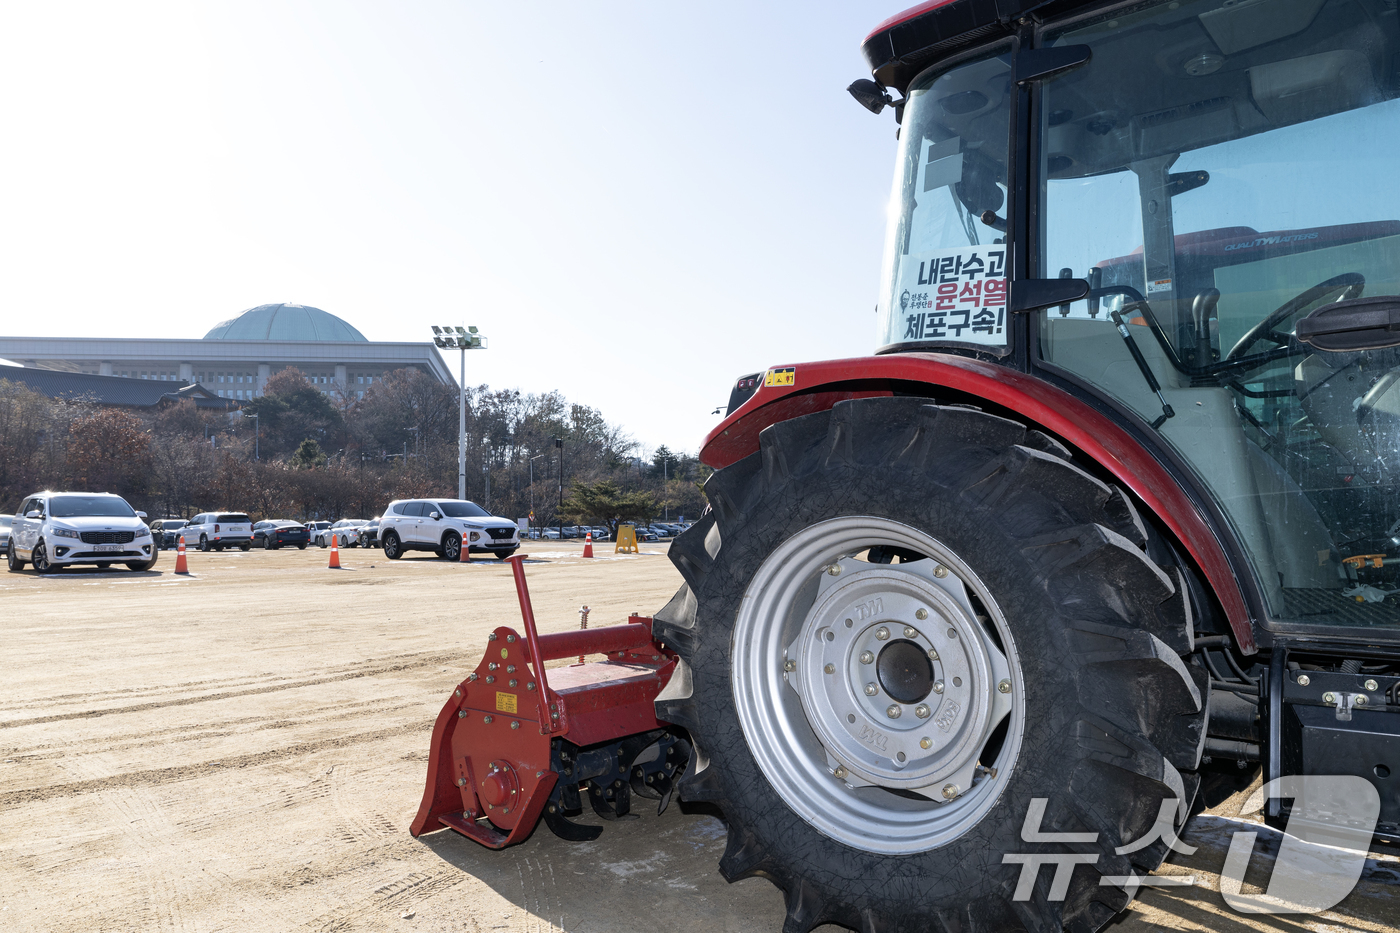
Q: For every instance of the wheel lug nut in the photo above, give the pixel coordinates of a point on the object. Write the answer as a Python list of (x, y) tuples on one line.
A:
[(921, 711), (839, 771), (882, 633), (871, 690), (921, 614), (834, 570), (910, 632), (933, 654), (1004, 687), (940, 571), (950, 791), (925, 742), (830, 669), (894, 711), (789, 665), (938, 686), (866, 657)]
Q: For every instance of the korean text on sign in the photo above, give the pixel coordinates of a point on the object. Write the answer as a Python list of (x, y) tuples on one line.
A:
[(954, 294)]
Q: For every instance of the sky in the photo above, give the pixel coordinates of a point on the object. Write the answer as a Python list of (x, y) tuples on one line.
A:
[(635, 202)]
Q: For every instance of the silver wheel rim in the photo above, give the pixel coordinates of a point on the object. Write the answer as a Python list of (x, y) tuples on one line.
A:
[(40, 557), (801, 680)]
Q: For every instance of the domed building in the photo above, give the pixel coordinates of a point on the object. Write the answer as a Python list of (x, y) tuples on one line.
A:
[(236, 357), (285, 321)]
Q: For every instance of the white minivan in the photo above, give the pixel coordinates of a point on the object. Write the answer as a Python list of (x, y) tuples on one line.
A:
[(59, 529)]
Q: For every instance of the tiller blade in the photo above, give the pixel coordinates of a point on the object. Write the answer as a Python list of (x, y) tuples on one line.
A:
[(515, 742)]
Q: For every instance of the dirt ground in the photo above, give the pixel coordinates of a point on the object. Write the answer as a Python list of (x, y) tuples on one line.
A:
[(243, 749)]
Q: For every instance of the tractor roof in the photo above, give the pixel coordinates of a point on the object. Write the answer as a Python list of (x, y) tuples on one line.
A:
[(906, 43)]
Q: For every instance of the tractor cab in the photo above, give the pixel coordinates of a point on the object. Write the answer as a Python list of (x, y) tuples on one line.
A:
[(1187, 213)]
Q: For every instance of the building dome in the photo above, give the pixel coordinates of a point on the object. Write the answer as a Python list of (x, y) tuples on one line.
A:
[(286, 322)]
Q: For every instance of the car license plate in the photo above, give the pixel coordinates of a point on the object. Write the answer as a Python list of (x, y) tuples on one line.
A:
[(107, 547)]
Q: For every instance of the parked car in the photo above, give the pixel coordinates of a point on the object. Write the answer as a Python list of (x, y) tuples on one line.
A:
[(549, 534), (280, 533), (166, 532), (346, 533), (369, 535), (601, 533), (5, 522), (58, 529), (441, 526), (214, 531)]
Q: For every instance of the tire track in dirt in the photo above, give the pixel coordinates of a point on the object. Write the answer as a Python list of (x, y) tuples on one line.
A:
[(221, 682), (153, 776), (243, 725), (396, 896), (231, 694)]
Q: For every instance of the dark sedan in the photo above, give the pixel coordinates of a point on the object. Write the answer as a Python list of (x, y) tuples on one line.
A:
[(369, 534), (274, 534), (166, 531)]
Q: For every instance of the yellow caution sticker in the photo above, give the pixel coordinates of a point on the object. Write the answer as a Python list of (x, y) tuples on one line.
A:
[(780, 376), (505, 702)]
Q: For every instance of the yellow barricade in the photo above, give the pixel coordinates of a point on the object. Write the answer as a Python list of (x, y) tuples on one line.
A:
[(626, 540)]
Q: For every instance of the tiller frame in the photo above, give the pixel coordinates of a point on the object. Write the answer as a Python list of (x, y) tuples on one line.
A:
[(514, 742)]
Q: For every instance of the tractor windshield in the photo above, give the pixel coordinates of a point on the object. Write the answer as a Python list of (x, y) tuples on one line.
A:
[(1219, 172), (945, 250)]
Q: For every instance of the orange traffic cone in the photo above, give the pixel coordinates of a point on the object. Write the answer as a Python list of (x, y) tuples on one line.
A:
[(180, 565), (335, 555), (464, 553), (588, 545)]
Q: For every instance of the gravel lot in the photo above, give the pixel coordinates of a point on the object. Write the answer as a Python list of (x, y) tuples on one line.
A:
[(243, 749)]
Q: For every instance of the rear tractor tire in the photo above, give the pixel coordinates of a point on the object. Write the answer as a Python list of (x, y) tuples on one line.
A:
[(902, 625)]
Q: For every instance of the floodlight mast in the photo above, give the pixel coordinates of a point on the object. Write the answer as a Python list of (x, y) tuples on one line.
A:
[(463, 339)]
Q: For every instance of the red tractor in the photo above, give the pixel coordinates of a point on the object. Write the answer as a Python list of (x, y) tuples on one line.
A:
[(1108, 523)]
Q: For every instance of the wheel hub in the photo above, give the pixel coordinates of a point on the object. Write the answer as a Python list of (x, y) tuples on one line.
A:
[(905, 671), (897, 676)]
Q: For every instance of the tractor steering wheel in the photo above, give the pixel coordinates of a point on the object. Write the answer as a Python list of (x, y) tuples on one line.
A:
[(1350, 284)]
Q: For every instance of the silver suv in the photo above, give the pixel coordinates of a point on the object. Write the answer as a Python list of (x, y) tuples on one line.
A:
[(58, 529), (214, 531), (440, 525)]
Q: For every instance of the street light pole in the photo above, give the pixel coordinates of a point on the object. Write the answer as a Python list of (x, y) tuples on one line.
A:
[(256, 432), (532, 484), (665, 478), (464, 339), (559, 446)]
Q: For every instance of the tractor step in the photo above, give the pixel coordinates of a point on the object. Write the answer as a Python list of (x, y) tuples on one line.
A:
[(515, 742)]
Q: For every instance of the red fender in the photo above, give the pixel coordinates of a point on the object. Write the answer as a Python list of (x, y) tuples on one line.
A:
[(819, 386)]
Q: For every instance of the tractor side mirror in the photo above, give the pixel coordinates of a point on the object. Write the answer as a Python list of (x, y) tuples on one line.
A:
[(1358, 324)]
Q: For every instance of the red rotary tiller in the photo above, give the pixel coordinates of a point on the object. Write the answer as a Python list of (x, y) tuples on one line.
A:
[(516, 742)]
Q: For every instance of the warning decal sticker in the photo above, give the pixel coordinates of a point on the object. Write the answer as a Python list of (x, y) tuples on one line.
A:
[(781, 376)]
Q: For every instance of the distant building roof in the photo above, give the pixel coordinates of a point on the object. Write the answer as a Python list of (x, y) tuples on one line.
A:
[(286, 321), (113, 390)]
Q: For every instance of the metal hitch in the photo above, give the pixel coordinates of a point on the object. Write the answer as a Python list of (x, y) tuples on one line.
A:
[(515, 742)]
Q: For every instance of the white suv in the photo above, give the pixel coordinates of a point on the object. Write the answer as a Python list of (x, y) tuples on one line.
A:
[(346, 533), (57, 529), (218, 530), (440, 525)]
